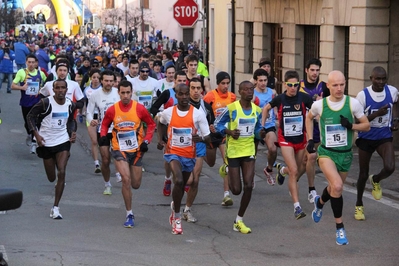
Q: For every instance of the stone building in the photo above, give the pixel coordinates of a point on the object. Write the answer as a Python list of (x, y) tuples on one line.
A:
[(348, 35)]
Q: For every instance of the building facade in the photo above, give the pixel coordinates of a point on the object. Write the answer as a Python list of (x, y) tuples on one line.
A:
[(159, 12), (353, 36)]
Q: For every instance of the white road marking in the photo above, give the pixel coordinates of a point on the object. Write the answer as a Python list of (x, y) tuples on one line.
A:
[(384, 201)]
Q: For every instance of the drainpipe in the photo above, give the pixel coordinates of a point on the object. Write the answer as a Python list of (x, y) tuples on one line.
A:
[(233, 45)]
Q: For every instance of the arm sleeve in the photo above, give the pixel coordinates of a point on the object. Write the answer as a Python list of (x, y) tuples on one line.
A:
[(361, 98), (357, 108), (72, 126), (223, 119), (158, 103), (33, 115)]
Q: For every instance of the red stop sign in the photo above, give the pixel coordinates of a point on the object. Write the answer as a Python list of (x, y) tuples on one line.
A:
[(185, 12)]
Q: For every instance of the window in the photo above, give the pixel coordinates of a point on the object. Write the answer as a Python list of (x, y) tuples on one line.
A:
[(311, 44), (109, 4), (146, 4), (248, 47)]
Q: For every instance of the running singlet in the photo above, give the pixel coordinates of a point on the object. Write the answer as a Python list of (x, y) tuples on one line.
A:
[(30, 97), (244, 145), (261, 99), (380, 127), (53, 127), (128, 133), (333, 135), (180, 131)]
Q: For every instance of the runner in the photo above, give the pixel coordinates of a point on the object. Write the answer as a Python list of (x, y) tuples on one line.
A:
[(57, 131), (28, 81), (380, 104), (179, 125), (219, 98), (200, 147), (262, 96), (128, 141), (102, 100), (291, 106), (337, 125), (243, 119), (316, 89)]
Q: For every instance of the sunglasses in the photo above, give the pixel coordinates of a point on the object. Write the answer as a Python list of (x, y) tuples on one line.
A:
[(95, 65), (292, 84), (144, 71)]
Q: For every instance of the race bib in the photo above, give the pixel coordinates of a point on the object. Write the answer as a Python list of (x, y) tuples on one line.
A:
[(246, 126), (182, 137), (58, 120), (381, 121), (336, 136), (127, 140), (33, 87), (145, 100), (293, 126)]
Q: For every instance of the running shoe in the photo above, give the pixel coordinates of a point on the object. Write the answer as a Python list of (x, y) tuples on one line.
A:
[(279, 177), (176, 227), (341, 237), (118, 177), (186, 188), (359, 213), (107, 191), (241, 227), (97, 169), (28, 140), (172, 215), (167, 187), (227, 201), (55, 213), (129, 221), (316, 213), (377, 191), (312, 195), (269, 177), (33, 147), (299, 213), (188, 216), (223, 170)]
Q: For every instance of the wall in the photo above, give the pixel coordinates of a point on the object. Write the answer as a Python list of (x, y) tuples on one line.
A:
[(220, 38)]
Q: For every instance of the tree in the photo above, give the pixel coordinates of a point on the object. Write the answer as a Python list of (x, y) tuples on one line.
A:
[(9, 17), (117, 17)]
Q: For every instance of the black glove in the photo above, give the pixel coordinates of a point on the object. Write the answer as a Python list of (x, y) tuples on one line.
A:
[(310, 146), (144, 147), (345, 122)]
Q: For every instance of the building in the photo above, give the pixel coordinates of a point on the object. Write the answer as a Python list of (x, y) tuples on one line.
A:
[(353, 36), (158, 16)]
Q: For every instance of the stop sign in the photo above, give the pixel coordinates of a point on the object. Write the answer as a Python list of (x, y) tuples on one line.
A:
[(185, 12)]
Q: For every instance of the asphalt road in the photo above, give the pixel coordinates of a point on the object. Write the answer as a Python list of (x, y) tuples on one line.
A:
[(91, 232)]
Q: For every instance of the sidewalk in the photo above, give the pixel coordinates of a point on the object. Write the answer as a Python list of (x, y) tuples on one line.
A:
[(390, 186)]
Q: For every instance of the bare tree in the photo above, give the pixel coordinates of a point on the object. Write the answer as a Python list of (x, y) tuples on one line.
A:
[(9, 17)]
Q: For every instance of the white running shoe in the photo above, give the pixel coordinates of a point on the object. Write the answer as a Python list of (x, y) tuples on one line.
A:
[(55, 213), (33, 147), (312, 195), (118, 177), (107, 191)]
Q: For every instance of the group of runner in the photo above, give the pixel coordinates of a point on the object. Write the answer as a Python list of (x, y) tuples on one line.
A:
[(310, 121)]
